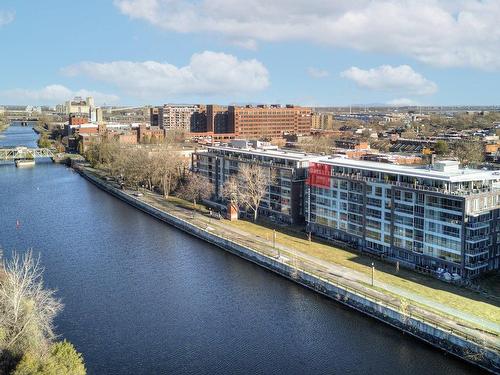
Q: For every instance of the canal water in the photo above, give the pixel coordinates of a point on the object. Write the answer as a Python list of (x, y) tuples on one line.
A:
[(144, 298)]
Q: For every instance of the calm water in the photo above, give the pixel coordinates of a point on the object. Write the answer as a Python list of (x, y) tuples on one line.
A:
[(143, 298)]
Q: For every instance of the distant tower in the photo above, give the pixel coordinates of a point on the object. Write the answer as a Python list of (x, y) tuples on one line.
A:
[(98, 115), (90, 102)]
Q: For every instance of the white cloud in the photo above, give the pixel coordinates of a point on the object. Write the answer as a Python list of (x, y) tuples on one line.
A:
[(402, 102), (6, 17), (249, 44), (317, 73), (388, 78), (446, 33), (52, 94), (207, 74)]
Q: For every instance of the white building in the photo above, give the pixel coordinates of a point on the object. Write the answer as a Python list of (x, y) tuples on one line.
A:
[(79, 105), (439, 218), (176, 116)]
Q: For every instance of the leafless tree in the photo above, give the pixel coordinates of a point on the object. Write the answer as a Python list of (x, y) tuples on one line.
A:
[(196, 188), (318, 144), (27, 309), (137, 167), (469, 152), (102, 153), (253, 181), (167, 169), (231, 190)]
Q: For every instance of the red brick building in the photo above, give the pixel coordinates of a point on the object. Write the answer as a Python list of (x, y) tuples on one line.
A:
[(151, 135), (77, 119), (269, 121)]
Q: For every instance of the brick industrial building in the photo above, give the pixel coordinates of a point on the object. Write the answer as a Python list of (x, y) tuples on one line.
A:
[(269, 121), (250, 122)]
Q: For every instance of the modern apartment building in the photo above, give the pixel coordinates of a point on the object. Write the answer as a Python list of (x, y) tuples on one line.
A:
[(176, 116), (271, 121), (438, 218), (284, 200)]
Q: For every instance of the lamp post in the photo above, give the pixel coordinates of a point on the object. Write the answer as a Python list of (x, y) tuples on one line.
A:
[(274, 242), (373, 271)]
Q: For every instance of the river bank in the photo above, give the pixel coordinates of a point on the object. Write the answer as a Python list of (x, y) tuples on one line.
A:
[(421, 324), (3, 127), (157, 300)]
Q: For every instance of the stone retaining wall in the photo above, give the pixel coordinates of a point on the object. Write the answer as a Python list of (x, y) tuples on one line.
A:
[(434, 335)]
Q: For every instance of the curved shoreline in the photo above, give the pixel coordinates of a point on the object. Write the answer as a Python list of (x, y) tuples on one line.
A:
[(450, 342)]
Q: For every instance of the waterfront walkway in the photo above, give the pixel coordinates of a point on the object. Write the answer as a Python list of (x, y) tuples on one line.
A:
[(414, 305), (325, 268)]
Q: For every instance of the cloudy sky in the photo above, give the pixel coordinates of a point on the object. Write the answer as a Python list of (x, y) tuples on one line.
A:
[(311, 52)]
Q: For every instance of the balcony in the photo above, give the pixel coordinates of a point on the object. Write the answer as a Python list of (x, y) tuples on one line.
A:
[(476, 265), (461, 193), (477, 252)]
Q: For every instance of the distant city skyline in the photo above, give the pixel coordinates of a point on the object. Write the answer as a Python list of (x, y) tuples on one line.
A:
[(313, 53)]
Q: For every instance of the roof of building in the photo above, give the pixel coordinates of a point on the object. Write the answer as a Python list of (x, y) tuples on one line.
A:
[(449, 170), (270, 152)]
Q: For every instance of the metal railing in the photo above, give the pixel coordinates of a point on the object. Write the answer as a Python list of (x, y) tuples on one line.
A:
[(409, 313), (25, 153)]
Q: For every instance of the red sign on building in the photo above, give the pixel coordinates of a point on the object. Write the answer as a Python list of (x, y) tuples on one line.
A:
[(319, 175)]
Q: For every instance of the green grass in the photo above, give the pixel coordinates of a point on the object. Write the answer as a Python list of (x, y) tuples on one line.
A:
[(447, 294), (185, 204)]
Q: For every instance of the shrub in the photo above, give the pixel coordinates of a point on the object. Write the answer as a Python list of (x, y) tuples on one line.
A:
[(63, 359)]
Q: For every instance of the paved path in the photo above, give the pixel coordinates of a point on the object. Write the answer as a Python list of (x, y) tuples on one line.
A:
[(327, 269), (356, 280)]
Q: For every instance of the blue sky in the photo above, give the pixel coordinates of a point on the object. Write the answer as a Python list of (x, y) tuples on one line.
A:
[(311, 52)]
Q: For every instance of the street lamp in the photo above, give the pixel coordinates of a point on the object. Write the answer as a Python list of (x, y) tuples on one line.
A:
[(373, 271), (274, 242)]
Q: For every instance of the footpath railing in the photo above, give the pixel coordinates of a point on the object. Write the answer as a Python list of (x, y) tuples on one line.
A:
[(408, 311)]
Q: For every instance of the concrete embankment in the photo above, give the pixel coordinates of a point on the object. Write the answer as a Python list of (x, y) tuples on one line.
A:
[(452, 342)]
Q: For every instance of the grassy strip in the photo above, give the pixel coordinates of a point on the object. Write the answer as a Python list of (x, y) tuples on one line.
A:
[(444, 293), (420, 285)]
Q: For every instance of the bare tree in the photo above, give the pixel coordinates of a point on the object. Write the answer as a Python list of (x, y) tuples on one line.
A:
[(253, 182), (231, 190), (137, 167), (469, 152), (196, 188), (167, 169), (318, 144), (102, 153), (27, 310)]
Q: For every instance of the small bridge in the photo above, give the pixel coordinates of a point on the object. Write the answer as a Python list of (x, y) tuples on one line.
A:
[(21, 152)]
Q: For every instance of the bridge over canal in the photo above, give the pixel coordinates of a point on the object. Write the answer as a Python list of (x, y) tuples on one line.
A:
[(21, 152)]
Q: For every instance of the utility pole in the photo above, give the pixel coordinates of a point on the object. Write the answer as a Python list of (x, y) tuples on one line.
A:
[(373, 272), (274, 242)]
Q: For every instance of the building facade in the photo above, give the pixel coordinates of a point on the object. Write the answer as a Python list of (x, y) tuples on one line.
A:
[(176, 116), (198, 122), (154, 116), (217, 119), (324, 121), (268, 122), (284, 199), (80, 105), (441, 218)]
